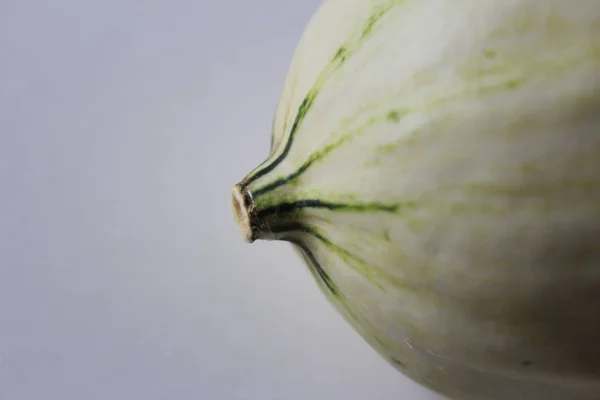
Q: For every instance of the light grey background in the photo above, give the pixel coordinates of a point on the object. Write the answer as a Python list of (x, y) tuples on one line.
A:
[(123, 125)]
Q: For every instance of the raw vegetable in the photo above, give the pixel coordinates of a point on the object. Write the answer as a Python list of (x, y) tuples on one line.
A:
[(437, 165)]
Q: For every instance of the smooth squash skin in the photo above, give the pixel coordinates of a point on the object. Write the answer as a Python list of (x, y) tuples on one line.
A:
[(437, 165)]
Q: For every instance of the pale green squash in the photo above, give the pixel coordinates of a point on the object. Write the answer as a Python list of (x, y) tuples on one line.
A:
[(437, 163)]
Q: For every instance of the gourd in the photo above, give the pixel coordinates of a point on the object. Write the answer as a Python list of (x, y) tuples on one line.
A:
[(437, 165)]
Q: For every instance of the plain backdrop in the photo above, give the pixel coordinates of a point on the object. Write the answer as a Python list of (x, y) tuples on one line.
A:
[(123, 126)]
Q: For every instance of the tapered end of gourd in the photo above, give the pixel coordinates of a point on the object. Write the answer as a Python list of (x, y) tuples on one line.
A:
[(242, 204)]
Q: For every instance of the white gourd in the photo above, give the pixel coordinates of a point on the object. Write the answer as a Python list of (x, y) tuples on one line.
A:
[(437, 164)]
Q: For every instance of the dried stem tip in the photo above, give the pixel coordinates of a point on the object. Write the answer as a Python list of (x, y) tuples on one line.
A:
[(242, 204)]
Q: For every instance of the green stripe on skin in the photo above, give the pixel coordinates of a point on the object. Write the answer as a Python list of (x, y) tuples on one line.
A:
[(298, 205), (344, 52), (371, 272), (390, 115), (541, 72)]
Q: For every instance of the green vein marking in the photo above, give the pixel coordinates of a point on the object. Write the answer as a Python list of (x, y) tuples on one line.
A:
[(315, 157), (393, 115), (347, 50), (293, 206), (272, 131), (340, 55), (397, 362), (343, 53), (325, 281), (286, 114), (374, 18), (312, 262), (366, 269), (302, 110), (338, 60)]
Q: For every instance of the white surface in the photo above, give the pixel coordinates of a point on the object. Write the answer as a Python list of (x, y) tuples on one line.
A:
[(123, 125)]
